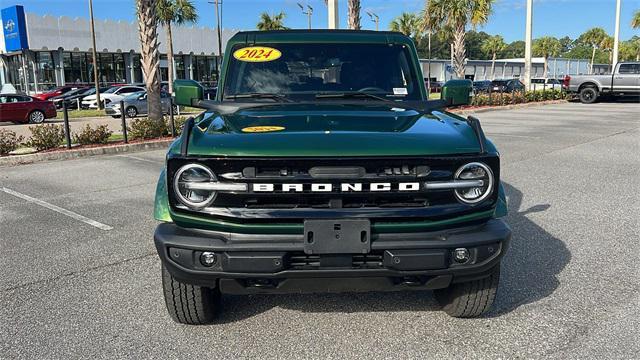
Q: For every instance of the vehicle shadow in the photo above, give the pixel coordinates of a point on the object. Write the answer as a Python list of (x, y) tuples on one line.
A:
[(528, 274)]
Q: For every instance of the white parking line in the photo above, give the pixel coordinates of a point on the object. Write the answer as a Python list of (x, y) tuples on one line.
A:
[(58, 209), (141, 159)]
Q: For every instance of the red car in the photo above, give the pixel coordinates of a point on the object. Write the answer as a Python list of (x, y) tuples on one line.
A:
[(25, 109), (55, 92)]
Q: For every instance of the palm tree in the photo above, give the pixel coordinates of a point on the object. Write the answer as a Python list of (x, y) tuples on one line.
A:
[(354, 14), (607, 45), (149, 56), (546, 46), (177, 12), (407, 23), (271, 22), (635, 20), (593, 37), (457, 14), (494, 45)]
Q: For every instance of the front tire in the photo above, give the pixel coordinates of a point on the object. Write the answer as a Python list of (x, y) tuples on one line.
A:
[(588, 95), (189, 304), (36, 117), (470, 299)]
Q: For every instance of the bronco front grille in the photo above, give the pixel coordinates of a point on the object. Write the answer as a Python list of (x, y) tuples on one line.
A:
[(284, 187)]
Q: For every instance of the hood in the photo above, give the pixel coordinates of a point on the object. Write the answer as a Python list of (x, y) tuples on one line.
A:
[(331, 130)]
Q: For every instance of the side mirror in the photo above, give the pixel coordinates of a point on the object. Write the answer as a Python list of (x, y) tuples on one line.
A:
[(186, 91), (457, 92)]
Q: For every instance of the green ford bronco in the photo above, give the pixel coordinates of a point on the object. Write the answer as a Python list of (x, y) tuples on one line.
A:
[(321, 166)]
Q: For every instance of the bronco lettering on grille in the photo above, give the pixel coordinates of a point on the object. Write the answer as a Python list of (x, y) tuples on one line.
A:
[(342, 187)]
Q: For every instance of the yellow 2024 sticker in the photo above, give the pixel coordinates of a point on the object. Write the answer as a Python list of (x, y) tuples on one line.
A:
[(256, 129), (257, 54)]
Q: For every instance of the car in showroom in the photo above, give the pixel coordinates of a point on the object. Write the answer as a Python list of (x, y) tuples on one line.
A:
[(135, 104), (113, 94), (322, 166), (20, 108)]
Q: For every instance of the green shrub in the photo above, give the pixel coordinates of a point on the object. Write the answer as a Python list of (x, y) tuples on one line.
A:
[(9, 141), (45, 136), (146, 128), (89, 135), (179, 123)]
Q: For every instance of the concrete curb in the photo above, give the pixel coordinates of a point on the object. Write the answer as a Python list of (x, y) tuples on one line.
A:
[(507, 107), (14, 160)]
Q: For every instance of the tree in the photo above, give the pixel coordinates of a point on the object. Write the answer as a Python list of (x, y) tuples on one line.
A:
[(407, 23), (494, 46), (546, 46), (593, 37), (457, 14), (607, 46), (635, 21), (271, 22), (149, 56), (514, 50), (354, 14), (177, 12)]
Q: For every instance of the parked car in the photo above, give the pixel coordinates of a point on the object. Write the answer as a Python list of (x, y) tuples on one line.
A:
[(545, 84), (55, 92), (435, 86), (25, 109), (136, 104), (481, 86), (624, 81), (507, 85), (73, 94), (210, 93), (113, 94)]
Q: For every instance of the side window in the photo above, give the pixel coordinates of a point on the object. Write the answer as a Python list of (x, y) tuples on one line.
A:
[(22, 99), (629, 69), (4, 99)]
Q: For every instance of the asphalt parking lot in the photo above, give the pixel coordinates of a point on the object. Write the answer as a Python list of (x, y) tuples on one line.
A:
[(86, 284)]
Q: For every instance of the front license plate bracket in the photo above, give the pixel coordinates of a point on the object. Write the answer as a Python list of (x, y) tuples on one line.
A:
[(350, 236)]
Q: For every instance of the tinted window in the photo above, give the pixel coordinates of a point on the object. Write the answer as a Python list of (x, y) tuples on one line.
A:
[(380, 69), (128, 90), (629, 69)]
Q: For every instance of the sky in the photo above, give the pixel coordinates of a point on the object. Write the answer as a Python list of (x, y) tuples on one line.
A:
[(551, 17)]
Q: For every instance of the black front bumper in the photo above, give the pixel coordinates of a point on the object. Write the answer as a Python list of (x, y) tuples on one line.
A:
[(257, 263)]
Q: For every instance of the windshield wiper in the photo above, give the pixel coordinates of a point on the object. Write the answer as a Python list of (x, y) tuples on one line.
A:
[(356, 94), (276, 97)]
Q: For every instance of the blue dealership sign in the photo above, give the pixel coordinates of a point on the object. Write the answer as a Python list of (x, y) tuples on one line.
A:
[(14, 28)]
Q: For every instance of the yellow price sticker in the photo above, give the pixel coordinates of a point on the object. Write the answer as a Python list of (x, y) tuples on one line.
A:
[(256, 129), (257, 54)]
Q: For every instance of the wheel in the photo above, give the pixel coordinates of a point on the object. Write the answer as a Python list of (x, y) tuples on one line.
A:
[(588, 95), (131, 112), (469, 299), (36, 117), (189, 304)]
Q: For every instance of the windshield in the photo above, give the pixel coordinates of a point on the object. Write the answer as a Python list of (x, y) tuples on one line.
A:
[(304, 70), (135, 95), (111, 90)]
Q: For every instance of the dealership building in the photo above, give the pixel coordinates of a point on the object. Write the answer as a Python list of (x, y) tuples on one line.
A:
[(38, 52)]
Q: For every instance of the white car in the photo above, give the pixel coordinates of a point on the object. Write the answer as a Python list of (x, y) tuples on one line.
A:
[(113, 94), (539, 84)]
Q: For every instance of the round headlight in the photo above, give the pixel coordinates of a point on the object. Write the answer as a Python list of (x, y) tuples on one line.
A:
[(474, 171), (188, 195)]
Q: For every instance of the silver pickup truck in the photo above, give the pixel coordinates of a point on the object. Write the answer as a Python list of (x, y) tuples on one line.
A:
[(625, 81)]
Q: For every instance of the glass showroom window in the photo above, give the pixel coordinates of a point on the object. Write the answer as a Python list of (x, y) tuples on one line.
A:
[(45, 70), (106, 68), (180, 67), (120, 68), (137, 69)]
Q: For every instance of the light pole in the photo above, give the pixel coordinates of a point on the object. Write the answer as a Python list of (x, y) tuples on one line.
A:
[(375, 18), (309, 12), (334, 20), (95, 55), (616, 36), (218, 26), (527, 46)]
